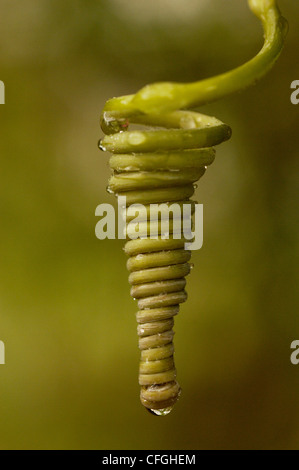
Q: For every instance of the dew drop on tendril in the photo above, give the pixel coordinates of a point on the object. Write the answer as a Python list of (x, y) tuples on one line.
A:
[(109, 191), (101, 146)]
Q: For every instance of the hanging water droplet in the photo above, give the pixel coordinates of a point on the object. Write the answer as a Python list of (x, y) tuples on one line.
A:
[(191, 266), (161, 412), (101, 146), (195, 186)]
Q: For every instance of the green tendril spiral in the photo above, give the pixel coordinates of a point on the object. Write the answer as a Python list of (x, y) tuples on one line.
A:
[(161, 166)]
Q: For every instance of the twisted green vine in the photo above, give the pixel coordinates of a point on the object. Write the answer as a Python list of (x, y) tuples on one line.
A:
[(156, 166)]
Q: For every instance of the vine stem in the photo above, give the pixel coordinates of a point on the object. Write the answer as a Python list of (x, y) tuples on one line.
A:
[(168, 96)]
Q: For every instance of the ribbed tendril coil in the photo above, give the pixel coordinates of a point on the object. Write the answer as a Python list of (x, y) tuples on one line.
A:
[(159, 166)]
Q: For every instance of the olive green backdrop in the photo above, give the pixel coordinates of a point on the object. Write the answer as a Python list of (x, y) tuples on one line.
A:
[(66, 316)]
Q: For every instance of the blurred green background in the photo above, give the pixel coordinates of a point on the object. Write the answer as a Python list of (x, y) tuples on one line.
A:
[(67, 319)]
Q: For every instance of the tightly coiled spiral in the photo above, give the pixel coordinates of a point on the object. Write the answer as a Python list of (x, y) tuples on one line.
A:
[(161, 165)]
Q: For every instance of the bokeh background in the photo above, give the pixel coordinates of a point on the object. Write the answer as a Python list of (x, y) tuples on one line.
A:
[(67, 319)]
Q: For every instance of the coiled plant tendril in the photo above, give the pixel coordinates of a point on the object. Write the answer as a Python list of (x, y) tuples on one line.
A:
[(161, 166)]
